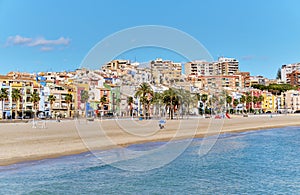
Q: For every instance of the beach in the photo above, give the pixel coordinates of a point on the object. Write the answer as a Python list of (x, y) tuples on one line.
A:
[(21, 142)]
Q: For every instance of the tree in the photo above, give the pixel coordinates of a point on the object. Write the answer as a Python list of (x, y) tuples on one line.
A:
[(190, 99), (3, 97), (157, 101), (243, 99), (69, 99), (184, 100), (103, 100), (278, 74), (255, 101), (16, 97), (260, 99), (235, 102), (276, 88), (171, 100), (202, 98), (130, 102), (51, 100), (249, 100), (228, 100), (35, 98), (84, 97), (144, 92)]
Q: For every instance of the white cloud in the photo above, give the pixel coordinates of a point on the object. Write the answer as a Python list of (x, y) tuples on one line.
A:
[(18, 40), (44, 44), (42, 41)]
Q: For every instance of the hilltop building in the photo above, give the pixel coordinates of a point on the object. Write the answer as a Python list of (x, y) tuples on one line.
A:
[(165, 71), (288, 69)]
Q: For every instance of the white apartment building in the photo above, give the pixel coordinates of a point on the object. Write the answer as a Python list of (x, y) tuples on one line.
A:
[(287, 69), (224, 66), (200, 68), (292, 101)]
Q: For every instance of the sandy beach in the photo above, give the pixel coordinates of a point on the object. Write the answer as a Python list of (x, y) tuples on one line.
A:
[(21, 142)]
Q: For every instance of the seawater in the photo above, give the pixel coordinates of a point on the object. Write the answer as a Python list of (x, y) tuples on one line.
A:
[(255, 162)]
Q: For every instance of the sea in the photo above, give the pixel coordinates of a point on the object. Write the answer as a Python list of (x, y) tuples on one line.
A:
[(253, 162)]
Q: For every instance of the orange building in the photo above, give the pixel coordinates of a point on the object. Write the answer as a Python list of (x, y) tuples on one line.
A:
[(293, 78)]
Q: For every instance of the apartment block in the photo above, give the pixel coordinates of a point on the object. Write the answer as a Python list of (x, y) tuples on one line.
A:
[(293, 78), (224, 66), (165, 71), (229, 82), (270, 102), (245, 79), (291, 101), (201, 68), (227, 66), (288, 69)]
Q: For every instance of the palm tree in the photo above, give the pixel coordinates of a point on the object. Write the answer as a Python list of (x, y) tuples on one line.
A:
[(130, 102), (243, 101), (255, 100), (3, 97), (171, 100), (144, 92), (204, 98), (235, 102), (188, 100), (185, 100), (260, 100), (200, 103), (103, 100), (249, 101), (16, 96), (69, 99), (157, 101), (35, 98), (51, 99), (84, 97), (228, 101)]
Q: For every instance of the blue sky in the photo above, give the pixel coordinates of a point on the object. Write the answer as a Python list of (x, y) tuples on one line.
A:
[(56, 35)]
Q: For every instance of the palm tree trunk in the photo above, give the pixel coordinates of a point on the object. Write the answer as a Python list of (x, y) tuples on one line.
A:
[(171, 109), (144, 109), (188, 110), (159, 110), (16, 109), (2, 108), (51, 108), (68, 110), (34, 110)]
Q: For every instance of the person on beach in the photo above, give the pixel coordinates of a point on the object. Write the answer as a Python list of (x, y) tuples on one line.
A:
[(161, 124), (58, 118)]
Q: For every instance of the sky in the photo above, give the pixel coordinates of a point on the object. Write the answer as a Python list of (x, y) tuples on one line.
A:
[(56, 35)]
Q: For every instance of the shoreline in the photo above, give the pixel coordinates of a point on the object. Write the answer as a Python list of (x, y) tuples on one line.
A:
[(62, 139)]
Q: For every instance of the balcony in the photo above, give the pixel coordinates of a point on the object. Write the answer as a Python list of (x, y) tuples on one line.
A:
[(17, 85)]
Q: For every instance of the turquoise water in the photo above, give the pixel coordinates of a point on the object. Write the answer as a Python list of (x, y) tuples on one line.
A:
[(257, 162)]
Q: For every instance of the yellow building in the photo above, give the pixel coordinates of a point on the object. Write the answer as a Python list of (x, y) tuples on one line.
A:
[(270, 102)]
